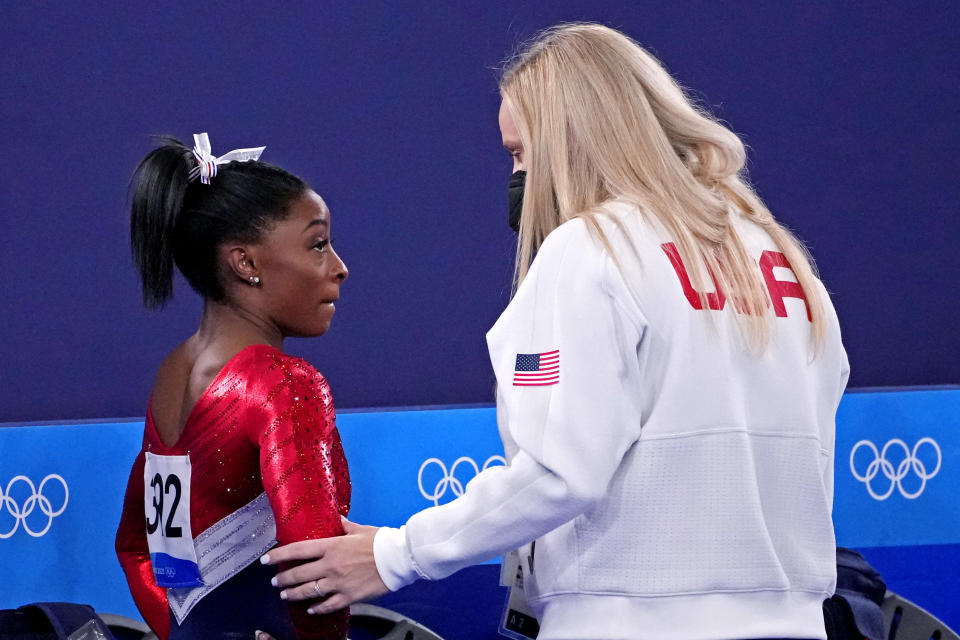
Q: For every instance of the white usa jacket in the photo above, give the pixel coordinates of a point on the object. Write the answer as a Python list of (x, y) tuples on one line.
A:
[(676, 486)]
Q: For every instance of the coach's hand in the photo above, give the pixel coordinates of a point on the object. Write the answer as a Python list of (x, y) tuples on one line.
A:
[(342, 569)]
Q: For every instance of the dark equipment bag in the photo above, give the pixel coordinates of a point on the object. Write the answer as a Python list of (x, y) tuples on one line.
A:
[(52, 621)]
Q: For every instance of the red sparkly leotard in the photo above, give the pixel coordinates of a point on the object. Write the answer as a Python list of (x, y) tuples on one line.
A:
[(265, 425)]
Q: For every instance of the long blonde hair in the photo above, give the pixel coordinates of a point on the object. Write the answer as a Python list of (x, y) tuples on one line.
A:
[(600, 118)]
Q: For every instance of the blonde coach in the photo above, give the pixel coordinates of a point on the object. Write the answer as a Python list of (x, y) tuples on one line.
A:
[(668, 372)]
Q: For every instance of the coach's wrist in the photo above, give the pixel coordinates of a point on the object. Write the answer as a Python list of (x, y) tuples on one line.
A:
[(393, 558)]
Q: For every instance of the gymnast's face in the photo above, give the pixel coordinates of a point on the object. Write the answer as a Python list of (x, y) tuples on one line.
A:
[(511, 137), (300, 273)]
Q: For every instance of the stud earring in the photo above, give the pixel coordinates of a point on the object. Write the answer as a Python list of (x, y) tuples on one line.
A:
[(254, 281)]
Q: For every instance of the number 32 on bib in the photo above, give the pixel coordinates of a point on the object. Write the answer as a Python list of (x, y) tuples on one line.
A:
[(166, 502)]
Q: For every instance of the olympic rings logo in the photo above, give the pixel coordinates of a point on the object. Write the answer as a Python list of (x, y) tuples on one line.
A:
[(36, 499), (880, 464), (449, 478)]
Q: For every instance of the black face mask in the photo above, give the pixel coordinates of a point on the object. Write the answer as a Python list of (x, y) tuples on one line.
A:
[(515, 196)]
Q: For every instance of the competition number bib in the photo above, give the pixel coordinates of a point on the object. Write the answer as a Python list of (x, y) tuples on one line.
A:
[(166, 502)]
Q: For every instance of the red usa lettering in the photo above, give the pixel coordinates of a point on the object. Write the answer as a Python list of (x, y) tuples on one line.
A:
[(777, 289)]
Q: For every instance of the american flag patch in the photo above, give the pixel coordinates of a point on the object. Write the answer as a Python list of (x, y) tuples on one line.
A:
[(537, 369)]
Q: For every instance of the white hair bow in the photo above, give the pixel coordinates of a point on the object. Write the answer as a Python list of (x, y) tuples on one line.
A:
[(207, 162)]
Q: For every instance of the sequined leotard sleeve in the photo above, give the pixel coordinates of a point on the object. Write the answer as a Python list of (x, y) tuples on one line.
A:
[(291, 417), (134, 556)]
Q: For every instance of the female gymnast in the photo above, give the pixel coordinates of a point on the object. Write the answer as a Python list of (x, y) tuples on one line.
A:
[(240, 448)]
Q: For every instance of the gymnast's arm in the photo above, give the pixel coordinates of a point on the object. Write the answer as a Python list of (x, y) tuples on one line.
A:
[(304, 471), (134, 556)]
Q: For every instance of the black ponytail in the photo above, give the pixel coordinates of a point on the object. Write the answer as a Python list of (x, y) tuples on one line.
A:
[(176, 220), (159, 184)]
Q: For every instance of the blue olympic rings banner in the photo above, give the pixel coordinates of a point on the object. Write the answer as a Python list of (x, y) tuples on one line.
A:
[(897, 473), (898, 468)]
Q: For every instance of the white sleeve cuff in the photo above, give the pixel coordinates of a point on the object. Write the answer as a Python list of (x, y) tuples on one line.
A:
[(393, 558)]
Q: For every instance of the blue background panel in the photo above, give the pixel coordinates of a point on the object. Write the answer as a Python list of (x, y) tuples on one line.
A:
[(933, 517), (74, 561), (399, 460), (388, 453)]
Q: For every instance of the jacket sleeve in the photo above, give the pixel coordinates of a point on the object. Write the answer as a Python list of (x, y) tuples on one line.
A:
[(304, 473), (571, 436), (134, 556)]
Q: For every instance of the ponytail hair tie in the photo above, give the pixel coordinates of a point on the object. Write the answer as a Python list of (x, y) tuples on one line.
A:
[(207, 162)]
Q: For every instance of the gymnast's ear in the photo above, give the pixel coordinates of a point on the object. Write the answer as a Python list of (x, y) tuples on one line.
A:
[(242, 263)]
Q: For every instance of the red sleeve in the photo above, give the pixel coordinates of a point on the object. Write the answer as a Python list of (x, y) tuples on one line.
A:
[(304, 471), (134, 556)]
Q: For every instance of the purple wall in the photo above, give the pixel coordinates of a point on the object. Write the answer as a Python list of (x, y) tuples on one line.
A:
[(390, 112)]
